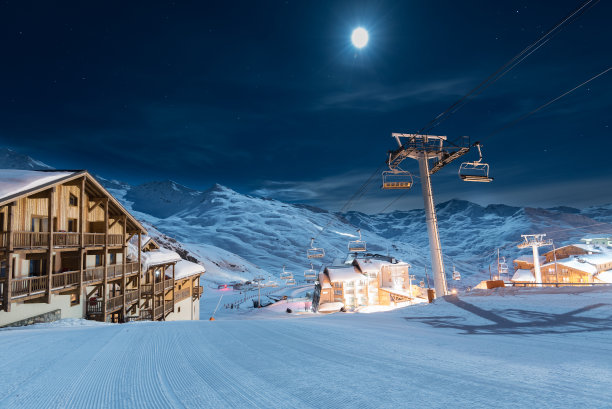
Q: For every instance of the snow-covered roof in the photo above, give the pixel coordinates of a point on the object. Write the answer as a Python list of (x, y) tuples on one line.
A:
[(324, 280), (604, 276), (185, 268), (344, 274), (522, 275), (154, 257), (574, 263), (528, 258), (15, 181)]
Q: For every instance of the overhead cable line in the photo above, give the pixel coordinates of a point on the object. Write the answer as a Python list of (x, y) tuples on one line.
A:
[(509, 65)]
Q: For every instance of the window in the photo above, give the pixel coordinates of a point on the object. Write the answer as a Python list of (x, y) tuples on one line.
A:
[(40, 224), (36, 267), (113, 258), (98, 260), (337, 292), (73, 201), (179, 309), (72, 225), (2, 221), (74, 299)]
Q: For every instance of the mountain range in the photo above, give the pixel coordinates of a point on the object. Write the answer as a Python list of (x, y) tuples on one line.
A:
[(238, 236)]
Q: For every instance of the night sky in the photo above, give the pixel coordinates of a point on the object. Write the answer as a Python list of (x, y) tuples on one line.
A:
[(271, 98)]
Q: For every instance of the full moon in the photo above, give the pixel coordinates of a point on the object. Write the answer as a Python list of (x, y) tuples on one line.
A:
[(360, 37)]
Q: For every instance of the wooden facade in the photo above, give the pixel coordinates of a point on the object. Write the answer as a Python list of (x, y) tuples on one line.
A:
[(68, 239)]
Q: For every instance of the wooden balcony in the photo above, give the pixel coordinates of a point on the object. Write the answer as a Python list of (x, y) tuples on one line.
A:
[(169, 308), (131, 296), (159, 287), (25, 287), (65, 280), (146, 288), (158, 312), (182, 294), (93, 274), (198, 291), (114, 303), (33, 240), (168, 284)]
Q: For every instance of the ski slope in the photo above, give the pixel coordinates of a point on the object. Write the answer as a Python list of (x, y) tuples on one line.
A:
[(522, 348)]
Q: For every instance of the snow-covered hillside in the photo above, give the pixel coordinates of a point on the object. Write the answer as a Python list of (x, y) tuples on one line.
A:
[(239, 236)]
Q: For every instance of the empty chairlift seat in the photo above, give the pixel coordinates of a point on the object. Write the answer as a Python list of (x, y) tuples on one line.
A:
[(395, 179), (476, 171), (314, 252), (355, 246)]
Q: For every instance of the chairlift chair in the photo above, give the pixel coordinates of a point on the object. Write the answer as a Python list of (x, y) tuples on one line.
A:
[(290, 282), (355, 246), (476, 171), (314, 252), (396, 178), (310, 274), (286, 275), (456, 274)]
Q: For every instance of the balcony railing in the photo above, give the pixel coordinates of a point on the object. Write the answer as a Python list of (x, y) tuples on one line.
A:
[(168, 284), (131, 296), (114, 303), (31, 239), (66, 239), (182, 294), (145, 315), (94, 306), (63, 280), (158, 311), (114, 270), (146, 288), (169, 307), (198, 291), (93, 274), (159, 287), (28, 286)]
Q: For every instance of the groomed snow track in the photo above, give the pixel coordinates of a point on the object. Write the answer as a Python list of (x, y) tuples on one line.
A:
[(443, 355)]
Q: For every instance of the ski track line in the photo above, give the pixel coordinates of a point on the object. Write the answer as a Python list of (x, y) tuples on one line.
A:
[(24, 386), (217, 368)]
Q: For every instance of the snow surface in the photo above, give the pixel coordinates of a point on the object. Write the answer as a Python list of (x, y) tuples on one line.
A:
[(186, 268), (507, 349), (344, 274), (14, 181), (524, 276)]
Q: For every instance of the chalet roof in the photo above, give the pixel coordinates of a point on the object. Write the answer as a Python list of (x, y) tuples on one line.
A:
[(324, 280), (524, 276), (15, 184), (573, 262), (343, 274), (585, 247), (185, 268)]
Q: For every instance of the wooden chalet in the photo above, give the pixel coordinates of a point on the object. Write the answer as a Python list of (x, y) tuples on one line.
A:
[(64, 250), (170, 285)]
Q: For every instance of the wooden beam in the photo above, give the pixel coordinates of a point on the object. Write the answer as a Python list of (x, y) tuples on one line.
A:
[(82, 213), (9, 262), (105, 261), (124, 261), (139, 270), (115, 221), (50, 225)]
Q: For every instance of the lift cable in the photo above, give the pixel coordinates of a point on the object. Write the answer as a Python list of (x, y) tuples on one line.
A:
[(528, 114), (509, 65)]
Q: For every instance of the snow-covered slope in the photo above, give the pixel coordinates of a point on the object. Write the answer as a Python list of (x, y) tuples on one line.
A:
[(527, 349), (239, 236)]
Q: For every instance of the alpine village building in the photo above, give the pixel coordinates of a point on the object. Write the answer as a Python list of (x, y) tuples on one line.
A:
[(69, 249), (364, 280), (589, 262)]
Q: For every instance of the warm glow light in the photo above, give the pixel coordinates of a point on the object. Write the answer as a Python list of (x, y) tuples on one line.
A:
[(360, 37), (454, 291)]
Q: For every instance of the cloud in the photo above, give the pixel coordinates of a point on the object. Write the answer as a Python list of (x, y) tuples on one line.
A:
[(381, 97)]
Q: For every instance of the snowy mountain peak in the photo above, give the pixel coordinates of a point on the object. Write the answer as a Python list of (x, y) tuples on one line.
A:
[(9, 159)]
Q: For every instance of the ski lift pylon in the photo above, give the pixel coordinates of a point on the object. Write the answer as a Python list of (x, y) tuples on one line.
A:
[(476, 171), (357, 245), (314, 252)]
